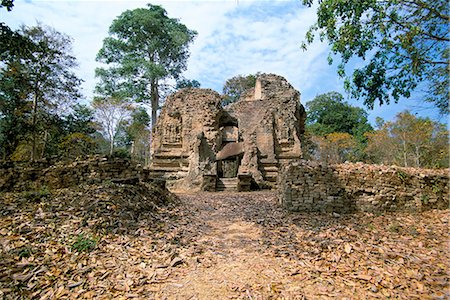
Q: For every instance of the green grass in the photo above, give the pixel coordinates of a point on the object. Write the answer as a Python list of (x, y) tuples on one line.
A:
[(84, 243)]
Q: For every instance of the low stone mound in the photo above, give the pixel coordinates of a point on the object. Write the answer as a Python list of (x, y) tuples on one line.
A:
[(107, 207), (25, 176)]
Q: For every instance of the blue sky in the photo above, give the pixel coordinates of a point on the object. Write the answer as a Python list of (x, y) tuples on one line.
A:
[(234, 37)]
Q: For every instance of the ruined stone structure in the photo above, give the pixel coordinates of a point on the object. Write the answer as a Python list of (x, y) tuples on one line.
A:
[(199, 145), (16, 176), (306, 186)]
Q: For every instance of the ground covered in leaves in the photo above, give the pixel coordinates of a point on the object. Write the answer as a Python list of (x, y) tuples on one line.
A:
[(114, 241)]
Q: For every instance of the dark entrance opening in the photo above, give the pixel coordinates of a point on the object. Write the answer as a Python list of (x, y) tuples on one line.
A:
[(228, 168)]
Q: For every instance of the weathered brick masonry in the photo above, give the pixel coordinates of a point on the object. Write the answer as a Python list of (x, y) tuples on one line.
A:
[(31, 176), (308, 186)]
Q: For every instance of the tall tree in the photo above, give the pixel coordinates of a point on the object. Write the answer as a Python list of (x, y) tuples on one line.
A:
[(43, 78), (15, 109), (328, 113), (12, 43), (50, 72), (235, 86), (111, 114), (144, 47), (336, 127), (410, 141), (405, 43)]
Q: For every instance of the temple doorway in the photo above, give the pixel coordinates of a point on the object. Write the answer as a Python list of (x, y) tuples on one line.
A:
[(228, 168)]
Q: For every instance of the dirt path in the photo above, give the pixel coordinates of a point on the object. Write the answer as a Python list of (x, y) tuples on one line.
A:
[(227, 257), (245, 246), (215, 246)]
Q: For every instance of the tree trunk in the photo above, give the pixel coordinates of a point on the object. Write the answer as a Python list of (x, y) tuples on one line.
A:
[(405, 157), (154, 95), (33, 126), (46, 134), (417, 156), (111, 145)]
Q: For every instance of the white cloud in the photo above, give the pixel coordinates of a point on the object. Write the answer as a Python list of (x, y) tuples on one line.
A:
[(234, 37)]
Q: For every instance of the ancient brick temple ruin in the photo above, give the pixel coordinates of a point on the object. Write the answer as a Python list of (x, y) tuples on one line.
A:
[(200, 145)]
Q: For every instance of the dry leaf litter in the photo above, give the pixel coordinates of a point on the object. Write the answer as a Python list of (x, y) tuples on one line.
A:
[(116, 241)]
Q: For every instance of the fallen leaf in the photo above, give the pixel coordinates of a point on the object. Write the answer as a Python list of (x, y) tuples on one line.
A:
[(348, 248), (75, 284)]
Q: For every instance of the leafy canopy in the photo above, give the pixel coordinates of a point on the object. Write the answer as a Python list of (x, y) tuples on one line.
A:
[(8, 4), (34, 85), (144, 46), (15, 110), (51, 68), (409, 141), (403, 43), (235, 86), (187, 83), (12, 43), (329, 113)]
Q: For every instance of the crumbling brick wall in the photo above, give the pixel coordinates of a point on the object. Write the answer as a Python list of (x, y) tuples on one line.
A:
[(308, 186), (31, 176)]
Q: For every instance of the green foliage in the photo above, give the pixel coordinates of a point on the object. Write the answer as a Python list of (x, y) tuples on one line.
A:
[(13, 43), (108, 183), (81, 120), (186, 83), (24, 252), (401, 43), (402, 176), (137, 135), (8, 4), (140, 120), (409, 141), (436, 188), (84, 243), (36, 196), (338, 128), (370, 226), (328, 113), (50, 69), (235, 86), (144, 47), (15, 109), (77, 144), (121, 153), (425, 199), (395, 228), (32, 86)]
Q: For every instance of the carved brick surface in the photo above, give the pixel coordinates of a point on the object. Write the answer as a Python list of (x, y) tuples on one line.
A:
[(194, 136)]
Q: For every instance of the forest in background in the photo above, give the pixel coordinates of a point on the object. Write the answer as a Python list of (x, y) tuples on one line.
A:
[(41, 114)]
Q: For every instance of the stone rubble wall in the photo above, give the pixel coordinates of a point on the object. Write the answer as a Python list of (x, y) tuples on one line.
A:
[(33, 176), (313, 187)]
